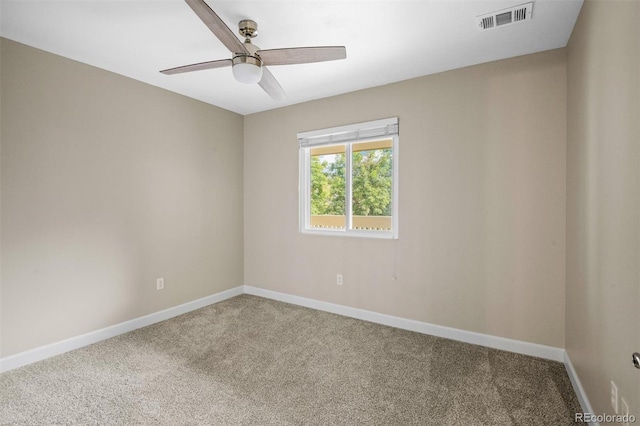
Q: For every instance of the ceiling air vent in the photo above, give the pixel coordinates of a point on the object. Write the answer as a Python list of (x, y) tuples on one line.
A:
[(505, 17)]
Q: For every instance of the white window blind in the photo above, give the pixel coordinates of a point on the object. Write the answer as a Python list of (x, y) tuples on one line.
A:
[(349, 133)]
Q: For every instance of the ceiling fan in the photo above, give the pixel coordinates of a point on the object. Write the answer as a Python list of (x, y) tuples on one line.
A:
[(248, 61)]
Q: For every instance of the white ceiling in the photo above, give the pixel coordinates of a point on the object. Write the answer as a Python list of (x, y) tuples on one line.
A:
[(386, 41)]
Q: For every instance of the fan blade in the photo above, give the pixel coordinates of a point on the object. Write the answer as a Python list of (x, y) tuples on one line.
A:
[(302, 55), (271, 85), (217, 26), (198, 67)]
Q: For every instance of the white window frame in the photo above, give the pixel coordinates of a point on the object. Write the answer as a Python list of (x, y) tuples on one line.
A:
[(346, 135)]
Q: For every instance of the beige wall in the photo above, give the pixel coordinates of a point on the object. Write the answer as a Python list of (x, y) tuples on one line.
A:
[(603, 201), (482, 202), (107, 184), (1, 327)]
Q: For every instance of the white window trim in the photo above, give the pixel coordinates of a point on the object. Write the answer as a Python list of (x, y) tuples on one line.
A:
[(304, 185)]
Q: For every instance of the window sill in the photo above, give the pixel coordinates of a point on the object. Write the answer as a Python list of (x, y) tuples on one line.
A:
[(385, 235)]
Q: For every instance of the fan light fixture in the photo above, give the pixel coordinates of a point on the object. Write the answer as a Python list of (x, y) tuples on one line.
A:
[(247, 69)]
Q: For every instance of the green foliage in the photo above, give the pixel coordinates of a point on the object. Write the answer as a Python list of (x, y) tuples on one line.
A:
[(371, 183), (328, 184), (320, 188), (371, 186)]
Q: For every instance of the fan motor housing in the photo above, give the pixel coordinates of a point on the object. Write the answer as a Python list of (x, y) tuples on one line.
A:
[(251, 48), (246, 59)]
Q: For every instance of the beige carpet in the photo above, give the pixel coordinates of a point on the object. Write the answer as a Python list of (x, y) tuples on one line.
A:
[(253, 361)]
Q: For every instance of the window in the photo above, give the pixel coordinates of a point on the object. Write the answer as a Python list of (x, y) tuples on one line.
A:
[(348, 180)]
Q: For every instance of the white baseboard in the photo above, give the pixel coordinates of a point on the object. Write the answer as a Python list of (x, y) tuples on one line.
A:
[(526, 348), (57, 348), (577, 387), (517, 346)]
